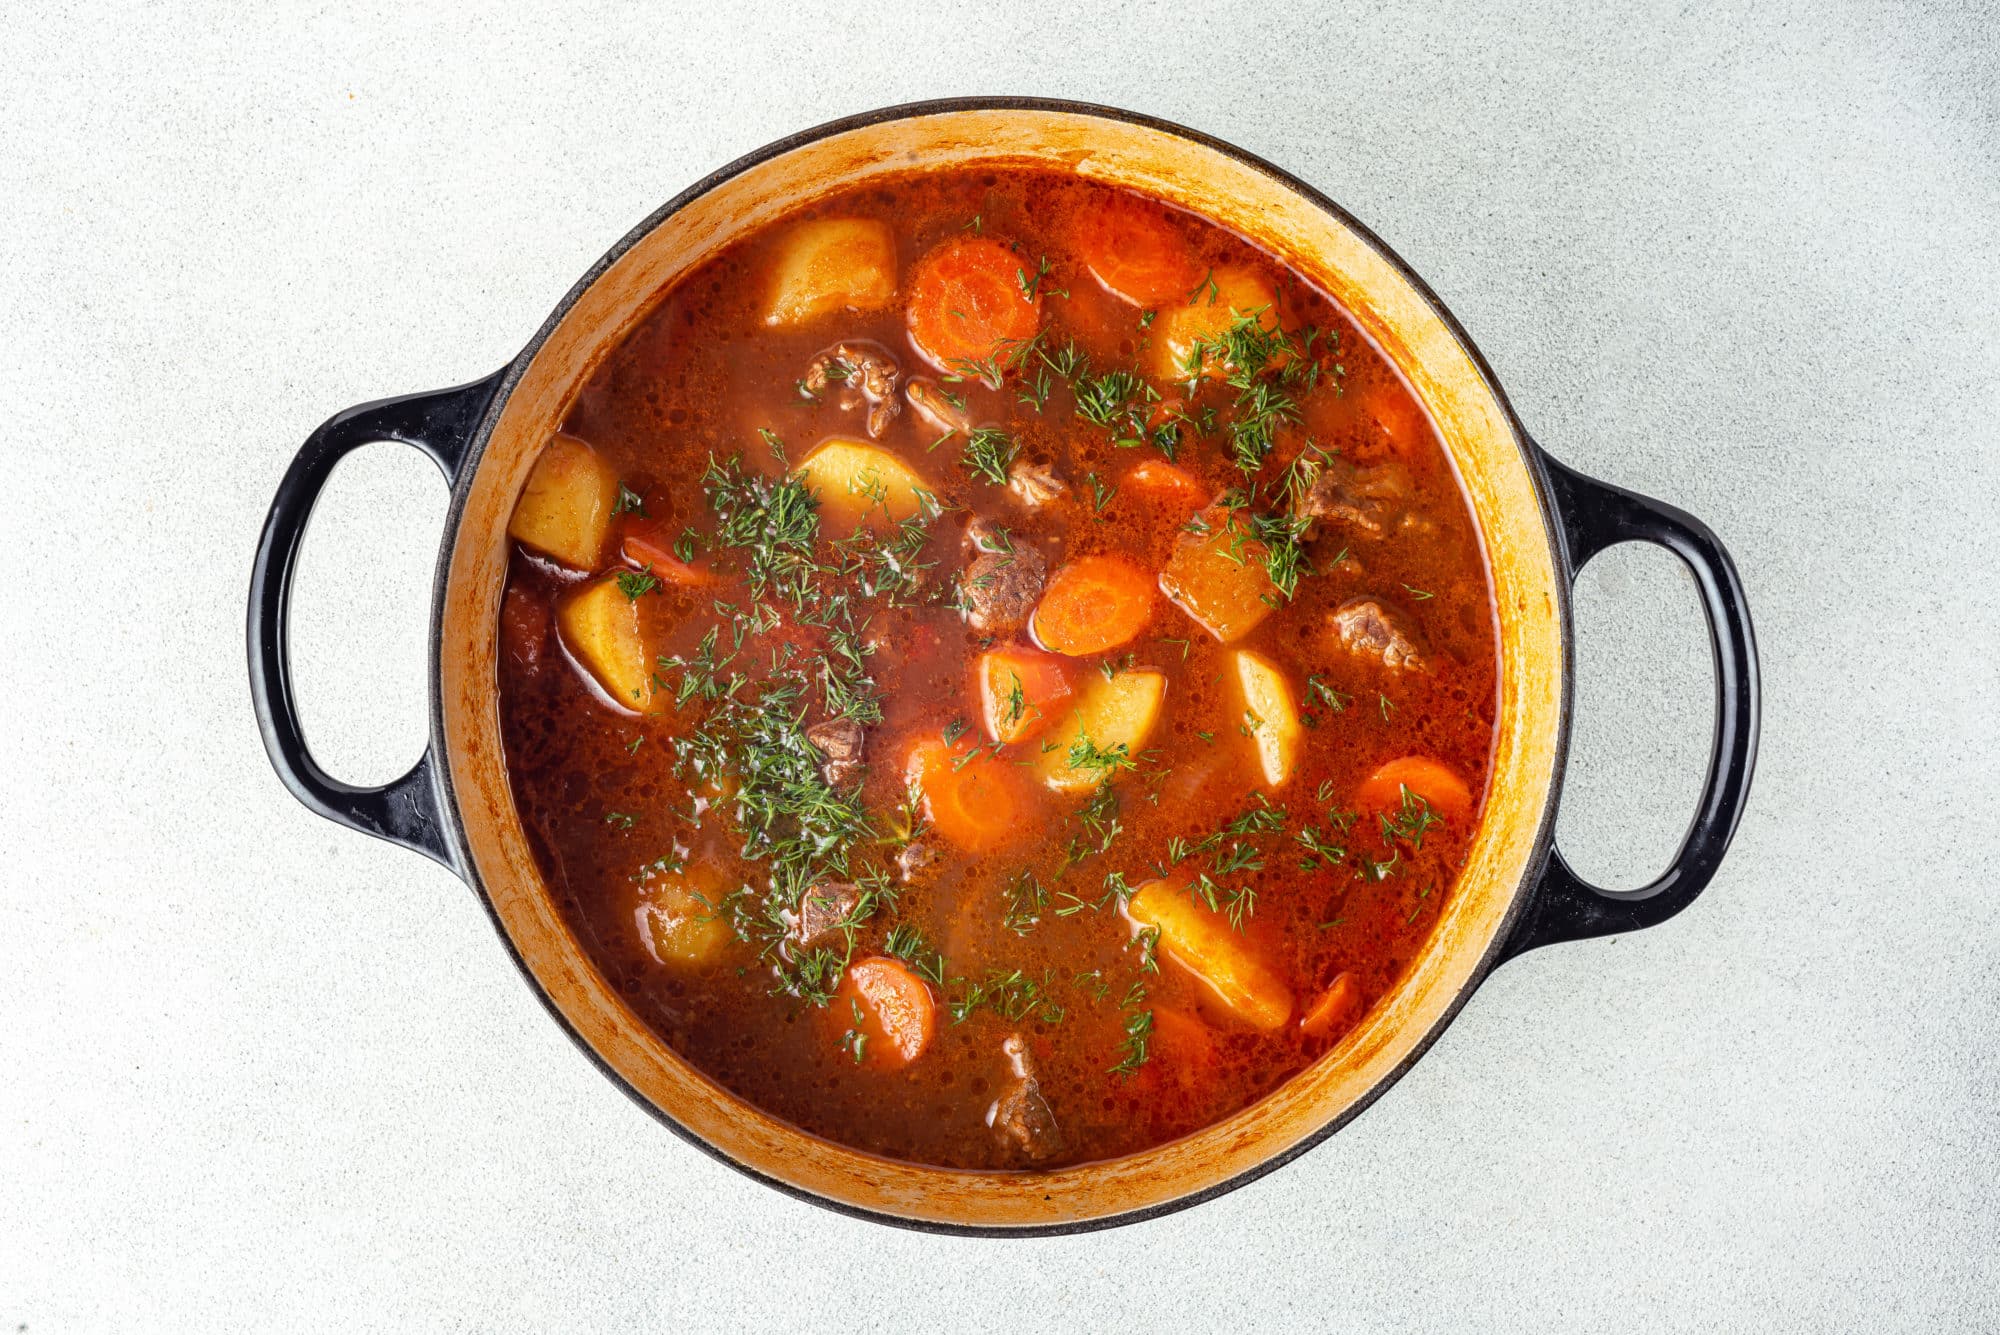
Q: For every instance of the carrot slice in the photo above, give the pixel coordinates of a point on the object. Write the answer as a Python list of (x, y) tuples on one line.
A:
[(976, 802), (1398, 417), (1135, 252), (1183, 1039), (886, 1009), (1165, 480), (1433, 780), (1019, 689), (968, 302), (649, 549), (1336, 1010), (1093, 604), (1181, 1055)]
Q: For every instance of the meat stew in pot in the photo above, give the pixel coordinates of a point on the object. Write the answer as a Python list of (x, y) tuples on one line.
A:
[(998, 670)]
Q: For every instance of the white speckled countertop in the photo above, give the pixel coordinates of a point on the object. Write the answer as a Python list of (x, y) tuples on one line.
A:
[(260, 1073)]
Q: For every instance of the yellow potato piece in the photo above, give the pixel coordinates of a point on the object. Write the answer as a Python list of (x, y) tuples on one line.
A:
[(1202, 942), (830, 265), (1271, 714), (860, 482), (1212, 312), (601, 627), (1114, 712), (566, 506), (1218, 578), (678, 922)]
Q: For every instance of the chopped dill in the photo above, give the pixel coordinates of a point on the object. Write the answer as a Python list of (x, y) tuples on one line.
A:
[(1137, 1044), (1010, 994), (989, 452), (629, 502), (636, 583)]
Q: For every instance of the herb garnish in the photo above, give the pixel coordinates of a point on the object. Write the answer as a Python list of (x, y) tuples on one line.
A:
[(1137, 1044), (635, 583), (1011, 994), (989, 452)]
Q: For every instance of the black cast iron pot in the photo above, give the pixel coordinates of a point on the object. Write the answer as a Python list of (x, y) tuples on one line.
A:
[(1539, 521)]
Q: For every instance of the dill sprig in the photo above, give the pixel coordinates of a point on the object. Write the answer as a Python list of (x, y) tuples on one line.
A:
[(989, 453), (1137, 1046), (907, 944), (1027, 897), (1407, 825), (1258, 361), (1010, 994), (1234, 850)]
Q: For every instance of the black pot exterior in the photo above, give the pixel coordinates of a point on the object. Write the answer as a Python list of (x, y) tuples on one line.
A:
[(1582, 516)]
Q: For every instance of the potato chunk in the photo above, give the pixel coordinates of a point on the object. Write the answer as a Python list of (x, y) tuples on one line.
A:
[(678, 922), (1183, 327), (1271, 714), (860, 482), (830, 265), (566, 506), (1218, 577), (1202, 942), (1110, 713), (601, 627)]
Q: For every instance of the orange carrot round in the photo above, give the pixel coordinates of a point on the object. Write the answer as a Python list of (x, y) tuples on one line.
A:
[(1136, 253), (976, 802), (1165, 480), (883, 1013), (1433, 780), (1336, 1010), (648, 549), (1181, 1056), (1093, 604), (1397, 416), (969, 302)]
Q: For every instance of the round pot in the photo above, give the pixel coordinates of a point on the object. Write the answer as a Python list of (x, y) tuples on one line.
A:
[(1540, 522)]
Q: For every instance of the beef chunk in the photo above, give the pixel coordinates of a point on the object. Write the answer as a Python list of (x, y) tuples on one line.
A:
[(839, 742), (1021, 1117), (1375, 628), (860, 368), (916, 858), (1035, 483), (1368, 501), (1000, 586), (823, 908), (937, 407)]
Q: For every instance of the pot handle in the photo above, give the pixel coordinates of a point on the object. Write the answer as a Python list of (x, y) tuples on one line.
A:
[(1595, 515), (406, 810)]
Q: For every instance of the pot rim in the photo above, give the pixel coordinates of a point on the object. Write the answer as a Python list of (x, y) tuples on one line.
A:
[(503, 385)]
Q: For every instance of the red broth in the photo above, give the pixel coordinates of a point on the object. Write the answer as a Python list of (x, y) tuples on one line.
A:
[(1150, 905)]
